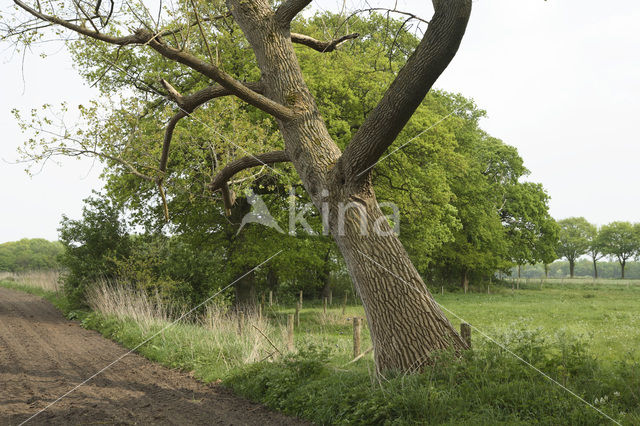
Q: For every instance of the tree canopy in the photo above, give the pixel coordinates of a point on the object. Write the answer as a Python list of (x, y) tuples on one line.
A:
[(620, 240), (575, 239)]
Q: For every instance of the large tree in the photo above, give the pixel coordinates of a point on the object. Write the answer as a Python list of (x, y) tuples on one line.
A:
[(620, 240), (406, 324), (574, 239)]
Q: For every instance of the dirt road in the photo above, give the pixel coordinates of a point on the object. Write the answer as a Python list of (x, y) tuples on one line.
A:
[(43, 356)]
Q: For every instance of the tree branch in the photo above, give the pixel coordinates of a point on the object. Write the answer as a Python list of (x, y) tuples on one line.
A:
[(322, 46), (187, 105), (434, 53), (130, 167), (193, 101), (122, 41), (243, 163), (289, 9), (146, 37)]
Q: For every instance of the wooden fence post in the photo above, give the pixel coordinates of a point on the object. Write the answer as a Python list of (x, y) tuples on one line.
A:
[(344, 303), (290, 332), (300, 298), (240, 322), (297, 315), (356, 336), (465, 333)]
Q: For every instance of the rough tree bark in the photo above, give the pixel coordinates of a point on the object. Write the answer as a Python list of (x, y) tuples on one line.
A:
[(595, 268), (405, 322)]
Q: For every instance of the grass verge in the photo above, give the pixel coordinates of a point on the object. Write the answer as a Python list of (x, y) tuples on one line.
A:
[(487, 386)]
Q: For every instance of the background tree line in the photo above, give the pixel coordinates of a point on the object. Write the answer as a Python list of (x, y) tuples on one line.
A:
[(619, 241), (583, 269), (29, 255)]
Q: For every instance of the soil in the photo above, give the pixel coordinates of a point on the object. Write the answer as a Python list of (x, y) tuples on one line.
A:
[(43, 356)]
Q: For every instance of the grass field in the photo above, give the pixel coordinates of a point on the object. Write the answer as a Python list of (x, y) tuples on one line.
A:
[(606, 315), (584, 334)]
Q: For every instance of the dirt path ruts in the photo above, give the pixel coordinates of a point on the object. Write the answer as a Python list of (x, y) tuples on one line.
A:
[(43, 356)]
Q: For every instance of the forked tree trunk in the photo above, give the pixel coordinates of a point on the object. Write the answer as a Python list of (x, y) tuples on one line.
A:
[(406, 324)]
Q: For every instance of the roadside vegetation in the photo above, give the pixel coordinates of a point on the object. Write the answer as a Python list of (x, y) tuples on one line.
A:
[(584, 335)]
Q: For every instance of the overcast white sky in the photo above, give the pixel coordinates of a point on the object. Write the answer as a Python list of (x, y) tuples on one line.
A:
[(560, 81)]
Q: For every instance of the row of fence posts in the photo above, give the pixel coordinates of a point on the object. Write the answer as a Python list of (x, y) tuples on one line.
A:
[(293, 321)]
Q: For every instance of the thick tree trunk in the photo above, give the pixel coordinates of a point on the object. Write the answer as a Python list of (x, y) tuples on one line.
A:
[(622, 265), (572, 265), (405, 323), (595, 269)]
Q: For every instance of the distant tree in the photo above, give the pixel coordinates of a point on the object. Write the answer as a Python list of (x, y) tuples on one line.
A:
[(574, 239), (621, 240), (595, 250)]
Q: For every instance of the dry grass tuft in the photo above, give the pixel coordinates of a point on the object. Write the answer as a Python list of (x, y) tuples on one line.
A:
[(258, 340), (231, 338), (46, 280), (125, 302)]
